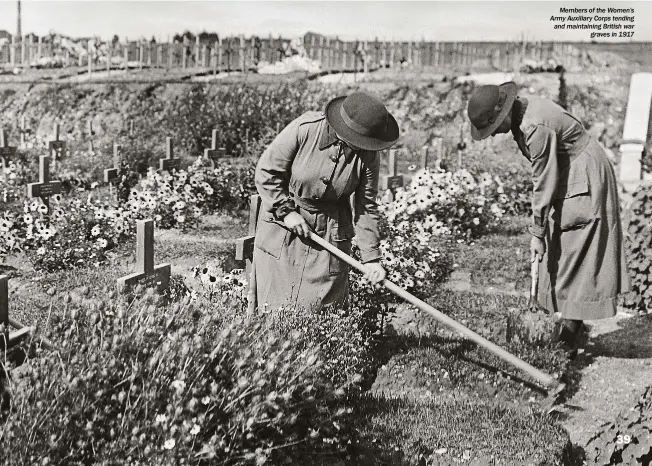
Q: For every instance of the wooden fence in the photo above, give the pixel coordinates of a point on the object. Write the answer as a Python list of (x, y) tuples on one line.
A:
[(238, 53)]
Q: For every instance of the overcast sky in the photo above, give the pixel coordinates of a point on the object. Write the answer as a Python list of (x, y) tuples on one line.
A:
[(430, 20)]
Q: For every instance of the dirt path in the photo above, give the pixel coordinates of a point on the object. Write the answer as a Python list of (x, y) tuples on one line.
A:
[(616, 366)]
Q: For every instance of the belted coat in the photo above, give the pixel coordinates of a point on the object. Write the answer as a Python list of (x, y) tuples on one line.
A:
[(576, 210), (307, 170)]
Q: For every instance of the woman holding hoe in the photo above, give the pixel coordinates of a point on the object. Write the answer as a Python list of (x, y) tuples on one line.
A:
[(305, 179), (576, 230)]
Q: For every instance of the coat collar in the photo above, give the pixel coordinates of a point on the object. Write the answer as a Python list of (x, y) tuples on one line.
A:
[(327, 137)]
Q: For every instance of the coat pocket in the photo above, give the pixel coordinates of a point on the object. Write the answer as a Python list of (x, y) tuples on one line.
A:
[(270, 238), (573, 207), (341, 236)]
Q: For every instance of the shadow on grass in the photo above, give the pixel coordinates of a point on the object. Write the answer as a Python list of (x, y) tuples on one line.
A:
[(632, 341), (464, 361), (397, 431)]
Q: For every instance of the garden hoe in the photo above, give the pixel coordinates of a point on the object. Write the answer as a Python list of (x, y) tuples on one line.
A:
[(552, 386)]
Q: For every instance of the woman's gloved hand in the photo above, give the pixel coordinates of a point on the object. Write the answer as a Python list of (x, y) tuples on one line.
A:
[(297, 224), (375, 272), (537, 248)]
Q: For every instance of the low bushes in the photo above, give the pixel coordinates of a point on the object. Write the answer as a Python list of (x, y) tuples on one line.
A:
[(178, 384), (639, 248)]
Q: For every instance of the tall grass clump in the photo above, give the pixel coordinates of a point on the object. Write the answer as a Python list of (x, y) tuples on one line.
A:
[(189, 382)]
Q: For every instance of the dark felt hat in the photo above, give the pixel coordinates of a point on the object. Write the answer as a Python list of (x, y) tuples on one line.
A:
[(362, 121), (488, 107)]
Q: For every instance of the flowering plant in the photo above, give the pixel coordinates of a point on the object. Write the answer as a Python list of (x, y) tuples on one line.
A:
[(73, 234), (181, 385), (439, 203)]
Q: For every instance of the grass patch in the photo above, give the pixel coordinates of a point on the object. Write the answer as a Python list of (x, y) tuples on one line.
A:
[(499, 258), (398, 431), (428, 359)]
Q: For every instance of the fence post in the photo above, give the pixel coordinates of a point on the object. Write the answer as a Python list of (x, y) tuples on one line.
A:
[(197, 49), (125, 53), (39, 49), (219, 51), (242, 54), (12, 52)]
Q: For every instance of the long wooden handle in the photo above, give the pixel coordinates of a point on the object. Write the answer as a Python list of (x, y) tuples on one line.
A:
[(534, 273), (542, 377)]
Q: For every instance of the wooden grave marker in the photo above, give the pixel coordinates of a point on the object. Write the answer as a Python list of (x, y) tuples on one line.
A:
[(111, 174), (23, 130), (425, 154), (44, 188), (91, 149), (10, 338), (147, 274), (438, 148), (393, 181), (56, 146), (6, 152), (169, 163), (244, 246), (214, 153)]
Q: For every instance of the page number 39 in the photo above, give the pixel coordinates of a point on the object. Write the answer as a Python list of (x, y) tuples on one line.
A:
[(623, 439)]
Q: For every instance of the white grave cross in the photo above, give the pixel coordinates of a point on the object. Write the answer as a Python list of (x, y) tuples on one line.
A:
[(44, 188), (6, 152), (147, 274), (56, 146), (213, 154), (169, 163)]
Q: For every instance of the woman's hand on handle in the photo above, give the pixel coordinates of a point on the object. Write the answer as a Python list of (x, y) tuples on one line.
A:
[(295, 222), (537, 248), (374, 272)]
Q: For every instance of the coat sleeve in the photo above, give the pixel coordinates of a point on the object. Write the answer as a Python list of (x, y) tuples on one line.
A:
[(366, 210), (542, 143), (273, 171)]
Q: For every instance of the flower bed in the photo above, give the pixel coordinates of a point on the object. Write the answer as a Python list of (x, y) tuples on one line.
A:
[(155, 383)]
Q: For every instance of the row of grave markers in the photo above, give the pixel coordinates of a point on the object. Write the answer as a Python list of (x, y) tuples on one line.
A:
[(148, 274), (56, 147), (45, 188)]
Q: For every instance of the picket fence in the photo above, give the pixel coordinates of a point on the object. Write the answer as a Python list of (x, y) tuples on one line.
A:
[(240, 53)]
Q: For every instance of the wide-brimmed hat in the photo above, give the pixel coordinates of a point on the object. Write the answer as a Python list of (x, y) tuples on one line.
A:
[(488, 107), (362, 121)]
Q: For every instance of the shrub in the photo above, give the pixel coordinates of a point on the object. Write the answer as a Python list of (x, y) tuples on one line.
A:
[(439, 203), (76, 234), (346, 336), (150, 384), (627, 440), (639, 247), (414, 261)]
